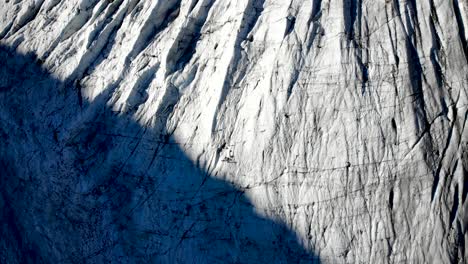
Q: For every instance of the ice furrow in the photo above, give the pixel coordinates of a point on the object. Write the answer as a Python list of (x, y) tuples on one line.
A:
[(250, 17), (461, 27), (83, 14), (98, 48), (28, 15), (351, 13), (139, 94), (184, 45), (162, 15)]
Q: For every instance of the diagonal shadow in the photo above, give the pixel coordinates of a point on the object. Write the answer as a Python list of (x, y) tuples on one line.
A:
[(82, 184)]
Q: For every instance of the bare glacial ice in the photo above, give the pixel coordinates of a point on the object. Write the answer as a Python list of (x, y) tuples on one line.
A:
[(219, 131)]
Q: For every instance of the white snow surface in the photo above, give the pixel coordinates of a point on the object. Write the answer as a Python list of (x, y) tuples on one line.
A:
[(247, 131)]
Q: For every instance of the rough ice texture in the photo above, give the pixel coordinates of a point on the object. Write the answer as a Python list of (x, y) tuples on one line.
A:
[(243, 131)]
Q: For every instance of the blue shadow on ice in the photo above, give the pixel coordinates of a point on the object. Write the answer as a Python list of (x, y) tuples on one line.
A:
[(82, 184)]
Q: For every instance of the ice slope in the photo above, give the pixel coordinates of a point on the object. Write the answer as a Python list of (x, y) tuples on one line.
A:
[(252, 131)]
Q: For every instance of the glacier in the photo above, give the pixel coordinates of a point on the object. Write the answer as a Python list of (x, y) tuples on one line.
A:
[(219, 131)]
